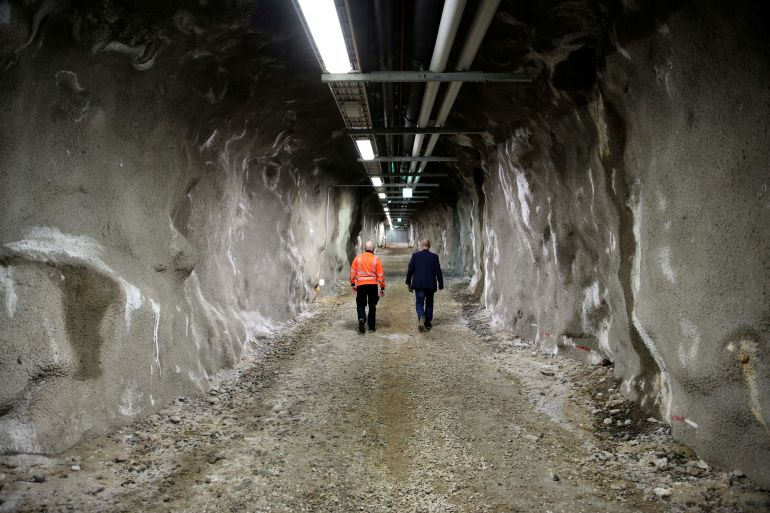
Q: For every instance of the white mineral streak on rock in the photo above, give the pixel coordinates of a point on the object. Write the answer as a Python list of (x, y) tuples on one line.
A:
[(665, 389), (510, 201), (636, 270), (156, 311), (229, 251), (553, 235), (593, 198), (21, 436), (134, 300), (50, 245), (255, 325), (687, 351), (9, 290), (663, 74), (46, 244), (489, 274), (130, 401), (591, 301), (444, 246), (664, 259), (210, 141), (524, 194)]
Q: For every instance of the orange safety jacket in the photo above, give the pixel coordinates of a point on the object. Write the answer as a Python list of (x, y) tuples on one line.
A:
[(366, 269)]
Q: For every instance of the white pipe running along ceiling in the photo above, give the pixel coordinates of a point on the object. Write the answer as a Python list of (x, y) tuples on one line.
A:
[(478, 30), (447, 31)]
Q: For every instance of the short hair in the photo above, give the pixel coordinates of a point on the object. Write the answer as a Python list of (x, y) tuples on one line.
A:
[(369, 246), (425, 243)]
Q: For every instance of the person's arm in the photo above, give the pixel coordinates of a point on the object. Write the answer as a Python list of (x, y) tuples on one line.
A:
[(410, 271), (439, 275), (381, 277), (354, 272)]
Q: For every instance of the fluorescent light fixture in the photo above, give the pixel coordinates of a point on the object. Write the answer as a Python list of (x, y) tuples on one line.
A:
[(406, 192), (377, 181), (382, 195), (398, 220), (365, 149), (324, 24)]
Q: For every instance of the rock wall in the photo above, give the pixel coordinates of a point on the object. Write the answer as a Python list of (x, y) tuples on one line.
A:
[(164, 186), (625, 206)]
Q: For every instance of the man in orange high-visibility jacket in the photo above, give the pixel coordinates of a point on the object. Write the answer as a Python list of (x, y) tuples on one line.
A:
[(365, 274)]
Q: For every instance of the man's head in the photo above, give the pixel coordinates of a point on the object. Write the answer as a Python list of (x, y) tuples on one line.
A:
[(369, 246), (425, 244)]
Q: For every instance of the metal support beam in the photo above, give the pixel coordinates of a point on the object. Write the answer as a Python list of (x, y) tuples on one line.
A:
[(400, 175), (408, 185), (438, 130), (410, 159), (428, 76)]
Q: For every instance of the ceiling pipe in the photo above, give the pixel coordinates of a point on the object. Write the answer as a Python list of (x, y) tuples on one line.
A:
[(447, 31), (478, 30), (424, 29), (383, 16)]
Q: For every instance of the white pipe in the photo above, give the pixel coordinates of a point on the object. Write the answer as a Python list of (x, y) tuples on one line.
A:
[(447, 31), (478, 30)]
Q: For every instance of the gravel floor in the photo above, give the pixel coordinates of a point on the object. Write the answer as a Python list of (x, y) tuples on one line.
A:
[(320, 418)]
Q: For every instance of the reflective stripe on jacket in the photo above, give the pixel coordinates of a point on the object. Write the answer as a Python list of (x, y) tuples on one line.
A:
[(366, 269)]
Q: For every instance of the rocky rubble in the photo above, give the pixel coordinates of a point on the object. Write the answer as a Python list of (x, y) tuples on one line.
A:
[(632, 449)]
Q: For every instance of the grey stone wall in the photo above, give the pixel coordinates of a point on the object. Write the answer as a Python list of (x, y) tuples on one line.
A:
[(163, 196), (625, 209)]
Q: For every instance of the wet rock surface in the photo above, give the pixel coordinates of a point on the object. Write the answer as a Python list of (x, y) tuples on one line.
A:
[(320, 418)]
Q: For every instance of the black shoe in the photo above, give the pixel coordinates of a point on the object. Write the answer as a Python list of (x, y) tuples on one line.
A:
[(372, 328), (361, 328), (428, 325), (421, 324)]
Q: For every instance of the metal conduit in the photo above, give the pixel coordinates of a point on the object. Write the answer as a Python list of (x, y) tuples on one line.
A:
[(478, 30), (447, 31)]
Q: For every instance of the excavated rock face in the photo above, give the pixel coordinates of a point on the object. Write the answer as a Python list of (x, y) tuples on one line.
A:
[(164, 173), (625, 207)]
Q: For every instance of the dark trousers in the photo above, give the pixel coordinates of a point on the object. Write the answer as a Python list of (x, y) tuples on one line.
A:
[(424, 299), (367, 294)]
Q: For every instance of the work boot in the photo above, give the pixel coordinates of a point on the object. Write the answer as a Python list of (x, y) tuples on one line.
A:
[(428, 325), (372, 328), (421, 324), (361, 326)]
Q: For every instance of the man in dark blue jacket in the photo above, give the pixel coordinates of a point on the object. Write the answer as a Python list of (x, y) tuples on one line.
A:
[(422, 276)]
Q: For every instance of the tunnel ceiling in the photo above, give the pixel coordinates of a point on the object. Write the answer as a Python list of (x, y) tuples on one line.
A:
[(561, 44), (230, 46)]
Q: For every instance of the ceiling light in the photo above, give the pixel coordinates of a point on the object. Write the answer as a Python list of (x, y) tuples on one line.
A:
[(382, 195), (365, 149), (377, 181), (324, 24), (398, 220), (406, 192)]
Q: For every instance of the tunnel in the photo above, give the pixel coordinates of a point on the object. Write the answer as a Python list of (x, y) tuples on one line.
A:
[(186, 185)]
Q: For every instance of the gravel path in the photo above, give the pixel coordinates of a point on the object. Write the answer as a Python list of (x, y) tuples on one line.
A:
[(458, 419)]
